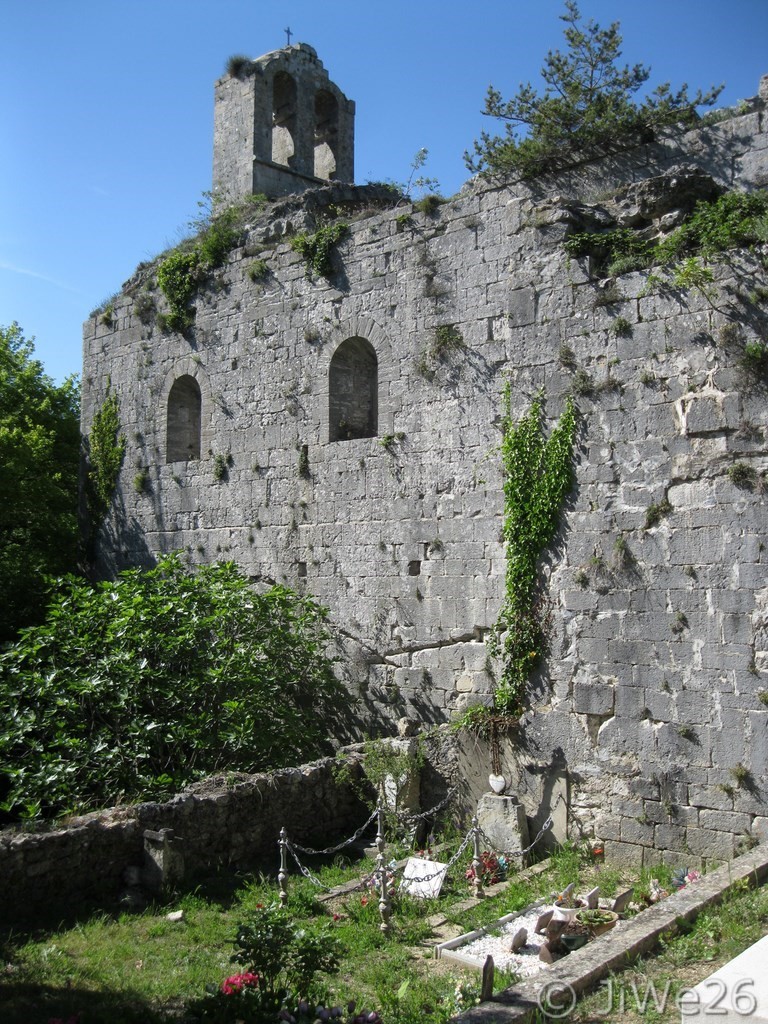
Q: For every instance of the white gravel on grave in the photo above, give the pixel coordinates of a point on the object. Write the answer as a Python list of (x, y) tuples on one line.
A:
[(525, 962)]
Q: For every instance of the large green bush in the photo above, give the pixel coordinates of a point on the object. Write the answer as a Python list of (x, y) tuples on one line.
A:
[(136, 687), (39, 455)]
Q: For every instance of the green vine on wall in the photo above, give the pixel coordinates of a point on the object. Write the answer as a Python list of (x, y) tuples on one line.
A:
[(317, 249), (538, 475), (178, 278), (106, 451), (183, 270)]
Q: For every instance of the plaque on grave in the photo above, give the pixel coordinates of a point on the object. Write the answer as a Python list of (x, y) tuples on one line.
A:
[(423, 878)]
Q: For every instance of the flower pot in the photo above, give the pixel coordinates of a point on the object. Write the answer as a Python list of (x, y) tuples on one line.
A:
[(564, 913), (572, 942), (598, 921)]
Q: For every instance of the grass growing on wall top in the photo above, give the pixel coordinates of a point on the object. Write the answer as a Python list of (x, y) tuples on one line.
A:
[(731, 221)]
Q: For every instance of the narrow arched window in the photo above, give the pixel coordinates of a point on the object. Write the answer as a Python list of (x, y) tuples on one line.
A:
[(353, 391), (326, 134), (183, 423), (283, 119)]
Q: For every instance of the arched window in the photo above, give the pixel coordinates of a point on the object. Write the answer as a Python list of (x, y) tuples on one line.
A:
[(283, 118), (353, 391), (326, 134), (183, 424)]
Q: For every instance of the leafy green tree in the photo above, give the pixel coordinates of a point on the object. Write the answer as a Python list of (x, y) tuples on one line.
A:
[(39, 455), (137, 686), (587, 108)]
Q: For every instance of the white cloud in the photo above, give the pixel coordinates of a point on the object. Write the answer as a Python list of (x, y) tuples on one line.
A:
[(40, 277)]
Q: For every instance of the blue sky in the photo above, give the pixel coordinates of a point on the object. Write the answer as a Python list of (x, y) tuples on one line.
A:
[(106, 121)]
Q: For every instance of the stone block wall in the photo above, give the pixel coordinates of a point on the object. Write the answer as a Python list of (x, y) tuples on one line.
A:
[(216, 823), (648, 711)]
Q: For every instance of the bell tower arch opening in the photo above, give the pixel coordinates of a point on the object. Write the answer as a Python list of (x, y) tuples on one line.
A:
[(283, 118), (326, 134)]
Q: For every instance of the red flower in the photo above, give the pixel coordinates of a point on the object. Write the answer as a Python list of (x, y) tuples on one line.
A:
[(237, 982)]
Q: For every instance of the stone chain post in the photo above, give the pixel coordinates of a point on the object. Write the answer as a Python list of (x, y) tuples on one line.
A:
[(381, 873), (282, 875), (477, 864)]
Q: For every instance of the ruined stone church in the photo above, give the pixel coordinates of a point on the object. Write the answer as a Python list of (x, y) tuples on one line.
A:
[(339, 432)]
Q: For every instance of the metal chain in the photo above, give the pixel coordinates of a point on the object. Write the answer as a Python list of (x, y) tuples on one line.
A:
[(335, 849), (516, 853), (305, 871), (423, 815), (547, 825), (358, 887), (366, 882), (422, 878), (444, 871)]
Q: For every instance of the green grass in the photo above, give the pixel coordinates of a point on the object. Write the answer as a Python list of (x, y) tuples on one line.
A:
[(681, 961), (145, 969)]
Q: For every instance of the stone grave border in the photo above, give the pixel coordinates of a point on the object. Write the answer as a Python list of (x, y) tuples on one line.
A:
[(450, 949), (614, 950)]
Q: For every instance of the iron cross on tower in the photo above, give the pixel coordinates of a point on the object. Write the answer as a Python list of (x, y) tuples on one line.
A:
[(288, 35)]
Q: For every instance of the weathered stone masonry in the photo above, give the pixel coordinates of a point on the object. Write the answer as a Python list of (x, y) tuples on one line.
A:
[(281, 125), (650, 699), (222, 821)]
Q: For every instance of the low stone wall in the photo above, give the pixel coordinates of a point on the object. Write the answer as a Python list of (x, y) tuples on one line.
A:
[(223, 821)]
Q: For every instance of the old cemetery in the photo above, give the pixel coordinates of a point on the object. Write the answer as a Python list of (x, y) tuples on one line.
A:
[(409, 917)]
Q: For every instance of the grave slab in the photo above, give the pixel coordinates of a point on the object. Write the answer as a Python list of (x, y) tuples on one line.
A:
[(736, 993)]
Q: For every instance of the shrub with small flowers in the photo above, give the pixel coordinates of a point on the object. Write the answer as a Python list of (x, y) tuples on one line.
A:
[(282, 961)]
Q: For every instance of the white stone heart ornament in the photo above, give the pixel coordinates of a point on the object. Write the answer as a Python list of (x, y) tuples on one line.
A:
[(497, 783)]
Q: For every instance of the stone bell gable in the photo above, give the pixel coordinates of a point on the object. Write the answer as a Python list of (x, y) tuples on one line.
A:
[(281, 126)]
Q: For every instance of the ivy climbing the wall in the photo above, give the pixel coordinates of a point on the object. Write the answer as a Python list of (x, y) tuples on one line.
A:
[(105, 456), (184, 269), (317, 249), (538, 475)]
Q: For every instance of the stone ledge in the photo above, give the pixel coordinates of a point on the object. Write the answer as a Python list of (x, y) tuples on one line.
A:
[(629, 940)]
